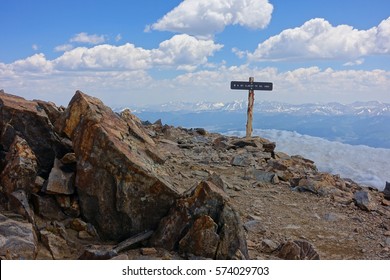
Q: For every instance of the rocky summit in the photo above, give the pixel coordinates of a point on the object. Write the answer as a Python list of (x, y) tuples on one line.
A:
[(84, 182)]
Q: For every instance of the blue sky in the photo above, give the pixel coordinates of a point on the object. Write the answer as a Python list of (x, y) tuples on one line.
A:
[(150, 51)]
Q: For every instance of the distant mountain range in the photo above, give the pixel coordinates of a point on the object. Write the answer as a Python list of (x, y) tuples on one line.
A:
[(371, 108), (359, 123)]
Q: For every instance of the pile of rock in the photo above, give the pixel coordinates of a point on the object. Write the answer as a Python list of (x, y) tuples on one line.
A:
[(85, 182), (87, 175)]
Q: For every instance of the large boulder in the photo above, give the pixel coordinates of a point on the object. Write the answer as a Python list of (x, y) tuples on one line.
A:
[(121, 187), (204, 224), (29, 120), (17, 239)]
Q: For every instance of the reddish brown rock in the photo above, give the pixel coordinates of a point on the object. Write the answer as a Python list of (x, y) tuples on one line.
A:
[(51, 110), (148, 251), (57, 246), (21, 168), (191, 224), (298, 250), (135, 127), (29, 120), (121, 188), (202, 238)]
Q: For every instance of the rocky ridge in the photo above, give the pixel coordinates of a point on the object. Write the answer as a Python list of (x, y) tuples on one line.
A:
[(83, 182)]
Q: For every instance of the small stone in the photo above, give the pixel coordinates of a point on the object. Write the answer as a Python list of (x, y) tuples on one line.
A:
[(263, 176), (63, 201), (201, 131), (387, 233), (331, 217), (244, 160), (78, 225), (364, 201), (122, 257), (84, 235), (98, 252), (385, 202), (291, 226), (268, 246), (387, 241), (218, 181), (220, 143), (39, 181), (74, 209), (148, 251), (69, 158), (255, 226), (56, 245), (298, 250), (59, 182), (251, 244)]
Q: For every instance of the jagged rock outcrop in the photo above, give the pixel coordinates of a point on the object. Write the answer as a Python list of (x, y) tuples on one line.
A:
[(71, 179), (203, 224), (120, 187), (29, 120)]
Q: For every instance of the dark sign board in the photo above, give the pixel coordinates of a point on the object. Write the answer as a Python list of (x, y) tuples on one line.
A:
[(251, 86)]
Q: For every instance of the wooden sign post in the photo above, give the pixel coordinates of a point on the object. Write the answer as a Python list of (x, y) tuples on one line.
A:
[(251, 86)]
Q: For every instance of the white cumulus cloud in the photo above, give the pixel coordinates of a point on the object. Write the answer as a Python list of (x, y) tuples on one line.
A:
[(63, 48), (204, 18), (84, 37), (104, 57), (34, 64), (318, 39), (184, 51)]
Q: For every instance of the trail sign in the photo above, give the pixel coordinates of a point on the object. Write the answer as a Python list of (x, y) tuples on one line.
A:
[(251, 86)]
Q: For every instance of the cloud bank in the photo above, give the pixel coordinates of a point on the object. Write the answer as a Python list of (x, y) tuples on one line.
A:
[(180, 52), (318, 39)]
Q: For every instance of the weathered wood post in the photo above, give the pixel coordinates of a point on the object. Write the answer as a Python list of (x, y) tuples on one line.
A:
[(251, 101), (251, 86)]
